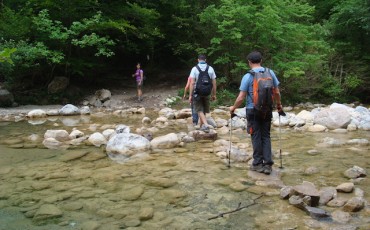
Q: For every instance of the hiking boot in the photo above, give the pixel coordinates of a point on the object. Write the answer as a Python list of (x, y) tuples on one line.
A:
[(267, 169), (258, 168), (204, 128)]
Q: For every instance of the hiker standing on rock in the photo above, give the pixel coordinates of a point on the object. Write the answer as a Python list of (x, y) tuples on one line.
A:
[(139, 75), (260, 88), (204, 77)]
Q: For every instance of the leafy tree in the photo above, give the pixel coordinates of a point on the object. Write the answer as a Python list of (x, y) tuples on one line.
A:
[(281, 30), (349, 27)]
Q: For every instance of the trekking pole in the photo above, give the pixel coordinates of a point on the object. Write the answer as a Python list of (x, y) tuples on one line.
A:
[(281, 113), (231, 128)]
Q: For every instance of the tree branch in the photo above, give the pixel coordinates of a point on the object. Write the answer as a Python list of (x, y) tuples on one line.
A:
[(237, 209)]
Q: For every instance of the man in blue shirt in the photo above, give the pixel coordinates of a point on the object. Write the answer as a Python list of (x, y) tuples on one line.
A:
[(258, 126)]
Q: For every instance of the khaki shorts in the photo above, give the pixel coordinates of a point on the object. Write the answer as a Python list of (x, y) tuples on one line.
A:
[(201, 104)]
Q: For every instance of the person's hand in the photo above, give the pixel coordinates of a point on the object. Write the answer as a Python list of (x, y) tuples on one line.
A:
[(213, 97), (190, 98), (232, 109), (184, 97), (279, 107)]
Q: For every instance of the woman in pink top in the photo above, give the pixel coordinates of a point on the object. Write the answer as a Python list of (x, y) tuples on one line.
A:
[(139, 74)]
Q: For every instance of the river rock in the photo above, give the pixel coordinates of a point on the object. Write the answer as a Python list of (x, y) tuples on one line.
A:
[(90, 225), (361, 142), (327, 194), (160, 182), (316, 213), (165, 142), (355, 172), (52, 112), (336, 202), (200, 135), (286, 192), (97, 139), (146, 213), (59, 135), (334, 117), (167, 112), (47, 211), (316, 128), (308, 189), (146, 120), (122, 129), (306, 116), (76, 134), (183, 114), (330, 142), (52, 143), (73, 155), (85, 110), (355, 204), (103, 95), (345, 187), (127, 144), (341, 217), (132, 194), (69, 110), (36, 113)]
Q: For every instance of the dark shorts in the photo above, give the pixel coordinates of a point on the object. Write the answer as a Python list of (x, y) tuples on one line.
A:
[(201, 104), (139, 85)]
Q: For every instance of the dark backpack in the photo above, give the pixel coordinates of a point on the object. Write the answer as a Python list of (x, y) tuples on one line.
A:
[(204, 84), (263, 87)]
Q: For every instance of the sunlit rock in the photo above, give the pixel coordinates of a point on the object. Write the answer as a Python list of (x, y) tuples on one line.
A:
[(165, 142), (345, 187), (127, 144), (36, 113), (69, 110), (76, 134), (103, 95), (355, 204), (59, 135), (97, 139), (334, 117)]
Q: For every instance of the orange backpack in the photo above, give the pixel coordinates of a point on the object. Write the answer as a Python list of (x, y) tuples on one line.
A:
[(263, 91)]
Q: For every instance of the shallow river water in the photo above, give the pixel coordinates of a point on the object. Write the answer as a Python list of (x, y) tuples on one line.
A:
[(181, 188)]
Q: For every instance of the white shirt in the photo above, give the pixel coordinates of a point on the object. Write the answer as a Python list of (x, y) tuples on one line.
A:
[(195, 73)]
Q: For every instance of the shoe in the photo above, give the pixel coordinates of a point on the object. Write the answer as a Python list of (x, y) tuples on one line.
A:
[(258, 168), (267, 169), (204, 128)]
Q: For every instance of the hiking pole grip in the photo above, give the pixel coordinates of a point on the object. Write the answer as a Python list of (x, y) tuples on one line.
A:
[(282, 113)]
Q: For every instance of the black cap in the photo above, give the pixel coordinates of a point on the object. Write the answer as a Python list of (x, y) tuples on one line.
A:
[(255, 57)]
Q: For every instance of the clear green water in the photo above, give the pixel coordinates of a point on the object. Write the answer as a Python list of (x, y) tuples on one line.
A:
[(181, 187)]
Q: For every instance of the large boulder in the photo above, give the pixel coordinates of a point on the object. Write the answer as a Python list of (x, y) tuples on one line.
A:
[(6, 98), (335, 117), (58, 84), (36, 113), (127, 144)]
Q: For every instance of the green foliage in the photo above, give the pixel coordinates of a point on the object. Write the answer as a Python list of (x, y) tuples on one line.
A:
[(5, 55)]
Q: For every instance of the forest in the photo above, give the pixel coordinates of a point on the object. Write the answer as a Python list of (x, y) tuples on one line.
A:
[(320, 50)]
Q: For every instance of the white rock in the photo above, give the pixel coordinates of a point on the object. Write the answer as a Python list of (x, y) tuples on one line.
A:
[(165, 142), (69, 109), (127, 144), (97, 139), (36, 113), (59, 134)]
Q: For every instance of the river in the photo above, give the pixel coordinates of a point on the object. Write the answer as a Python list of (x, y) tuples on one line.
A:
[(180, 188)]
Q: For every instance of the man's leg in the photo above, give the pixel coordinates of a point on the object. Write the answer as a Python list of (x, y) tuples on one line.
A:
[(266, 142), (253, 128)]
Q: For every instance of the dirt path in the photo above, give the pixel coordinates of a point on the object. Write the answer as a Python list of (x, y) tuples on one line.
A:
[(153, 97)]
